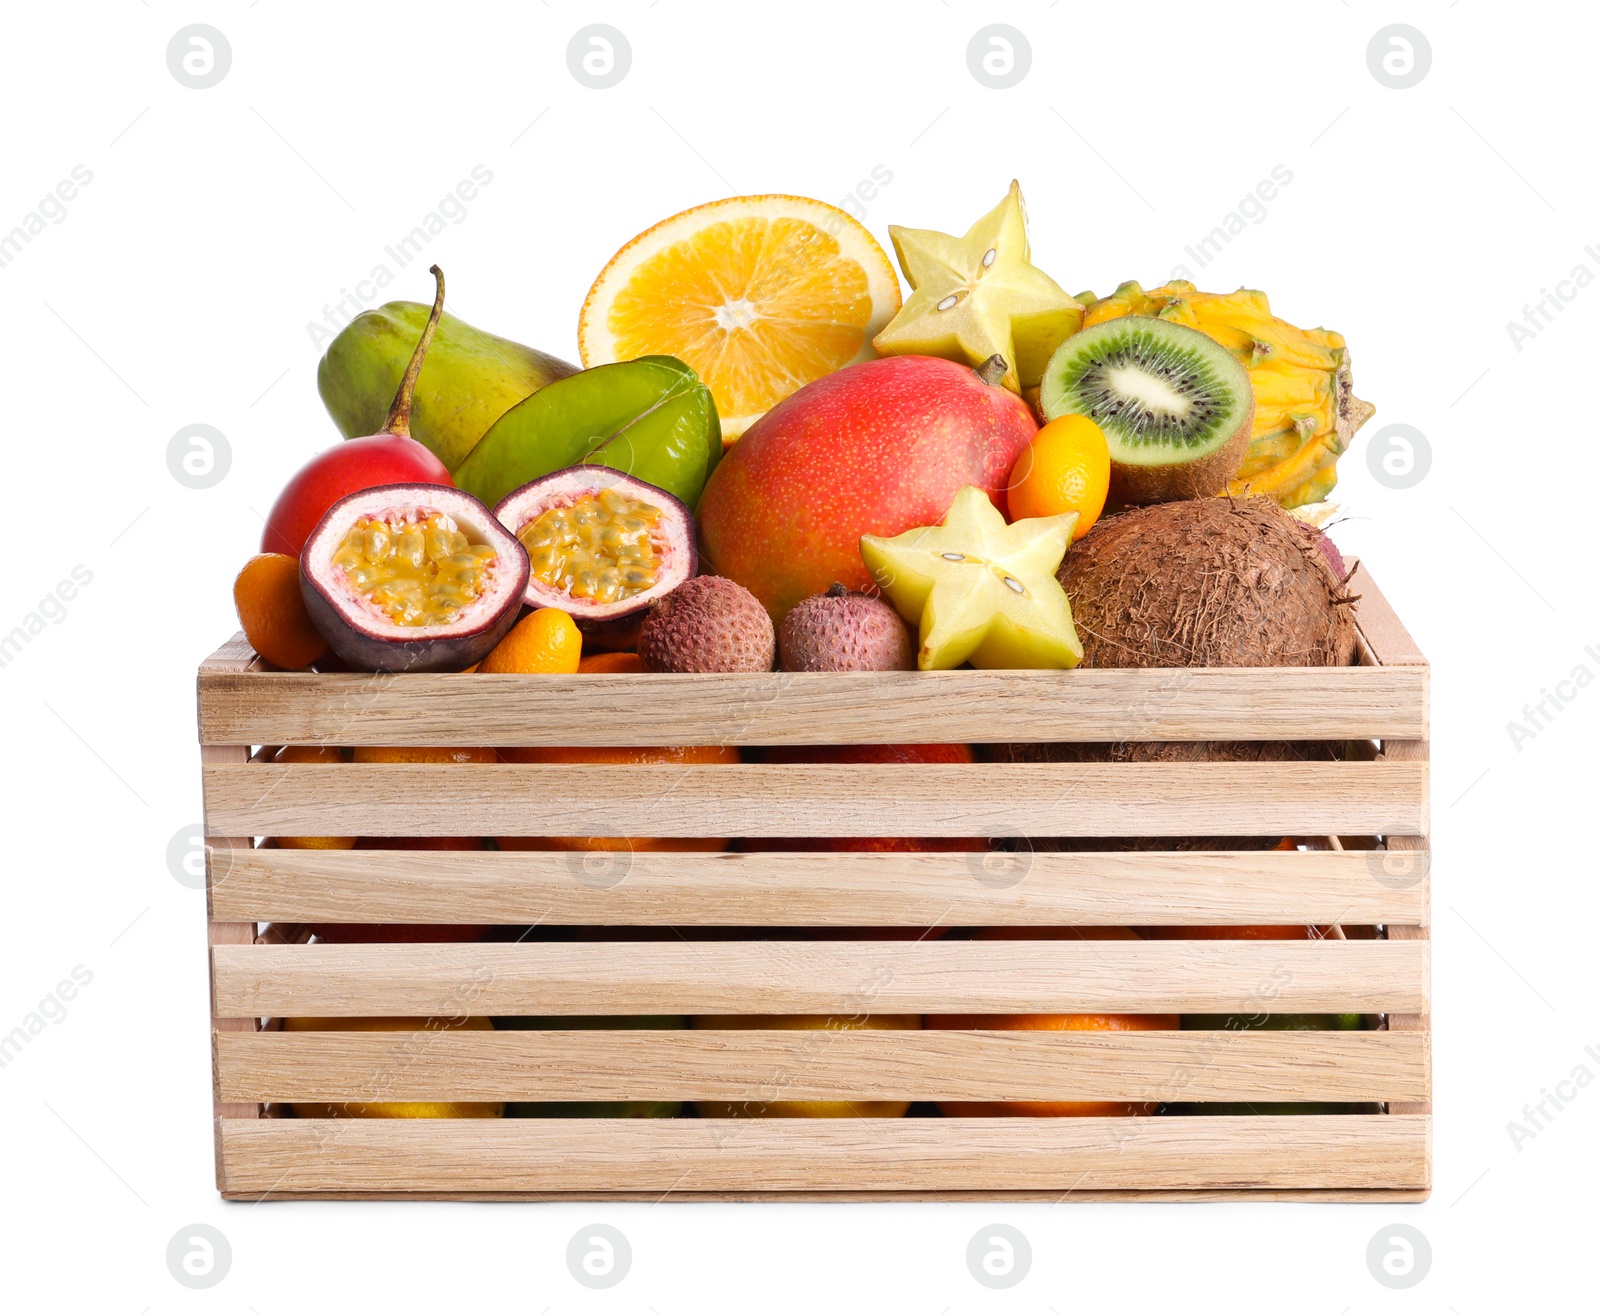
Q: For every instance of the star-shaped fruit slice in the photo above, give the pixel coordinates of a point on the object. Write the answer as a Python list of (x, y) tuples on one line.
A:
[(979, 296), (979, 590)]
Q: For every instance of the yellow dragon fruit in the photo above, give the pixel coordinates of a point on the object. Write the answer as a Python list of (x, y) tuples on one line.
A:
[(1306, 409)]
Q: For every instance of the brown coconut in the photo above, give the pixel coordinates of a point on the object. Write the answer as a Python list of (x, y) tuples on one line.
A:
[(1210, 582)]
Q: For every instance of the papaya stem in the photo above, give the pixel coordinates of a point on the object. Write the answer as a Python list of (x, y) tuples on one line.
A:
[(399, 421)]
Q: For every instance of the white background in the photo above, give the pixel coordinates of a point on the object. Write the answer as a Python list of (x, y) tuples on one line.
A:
[(179, 287)]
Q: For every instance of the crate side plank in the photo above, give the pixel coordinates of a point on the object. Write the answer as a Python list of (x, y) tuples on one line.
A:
[(760, 1066), (1313, 1195), (1417, 859), (1415, 849), (838, 977), (814, 708), (226, 931), (875, 1155), (1019, 888), (234, 655), (985, 799), (1382, 628)]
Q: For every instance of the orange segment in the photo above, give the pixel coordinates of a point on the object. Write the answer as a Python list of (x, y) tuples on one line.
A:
[(759, 294)]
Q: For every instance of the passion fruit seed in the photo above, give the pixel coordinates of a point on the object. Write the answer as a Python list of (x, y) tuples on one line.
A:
[(417, 572), (597, 547)]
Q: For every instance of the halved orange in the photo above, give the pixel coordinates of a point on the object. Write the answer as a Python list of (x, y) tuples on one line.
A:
[(759, 294)]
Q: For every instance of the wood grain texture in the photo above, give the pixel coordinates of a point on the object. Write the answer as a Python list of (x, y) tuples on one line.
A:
[(871, 1155), (1415, 861), (830, 977), (1414, 849), (1383, 630), (1415, 753), (984, 799), (229, 932), (837, 890), (1328, 1158), (813, 708), (233, 655), (760, 1066), (1332, 1196)]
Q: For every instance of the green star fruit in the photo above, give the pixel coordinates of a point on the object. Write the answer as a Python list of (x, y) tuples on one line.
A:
[(979, 296), (979, 590)]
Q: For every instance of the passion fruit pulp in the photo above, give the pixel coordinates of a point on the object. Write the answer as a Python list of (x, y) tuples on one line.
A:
[(412, 577), (420, 571), (602, 546)]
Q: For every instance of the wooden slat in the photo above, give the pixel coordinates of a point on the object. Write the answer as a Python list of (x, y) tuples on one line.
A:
[(1329, 1196), (873, 1155), (789, 708), (837, 890), (226, 931), (234, 655), (1400, 1022), (1411, 1024), (1390, 641), (988, 799), (760, 1066), (834, 977)]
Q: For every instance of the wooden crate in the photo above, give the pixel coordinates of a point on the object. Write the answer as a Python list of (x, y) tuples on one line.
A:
[(1363, 862)]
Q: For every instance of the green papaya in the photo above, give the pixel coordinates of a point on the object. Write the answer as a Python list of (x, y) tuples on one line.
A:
[(469, 380), (651, 418)]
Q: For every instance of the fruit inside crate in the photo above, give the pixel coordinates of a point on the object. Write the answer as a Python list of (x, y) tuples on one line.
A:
[(695, 934)]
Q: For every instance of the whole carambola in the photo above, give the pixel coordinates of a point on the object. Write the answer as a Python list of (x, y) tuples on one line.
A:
[(471, 378)]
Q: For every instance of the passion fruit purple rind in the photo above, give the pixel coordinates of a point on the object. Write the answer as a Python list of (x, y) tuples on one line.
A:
[(602, 547), (412, 577)]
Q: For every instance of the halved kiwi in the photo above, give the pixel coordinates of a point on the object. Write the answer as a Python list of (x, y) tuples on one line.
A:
[(1176, 407)]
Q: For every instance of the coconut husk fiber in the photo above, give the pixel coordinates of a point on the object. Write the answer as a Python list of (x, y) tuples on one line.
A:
[(1208, 582)]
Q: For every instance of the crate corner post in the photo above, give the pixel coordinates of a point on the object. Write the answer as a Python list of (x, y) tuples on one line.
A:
[(235, 656)]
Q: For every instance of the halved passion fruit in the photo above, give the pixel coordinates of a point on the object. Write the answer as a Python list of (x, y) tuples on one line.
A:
[(412, 577), (602, 546)]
